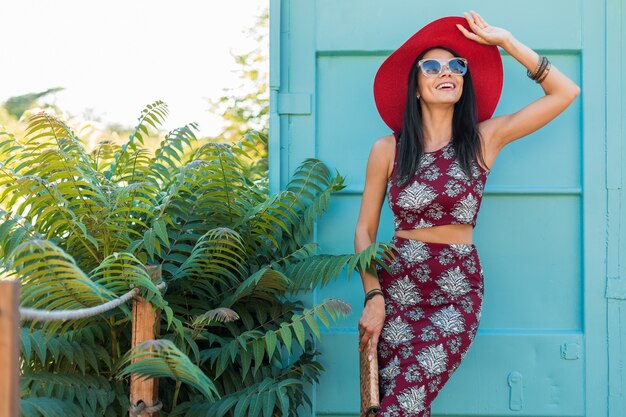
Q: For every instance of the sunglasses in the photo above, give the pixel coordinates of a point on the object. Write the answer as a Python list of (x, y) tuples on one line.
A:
[(433, 67)]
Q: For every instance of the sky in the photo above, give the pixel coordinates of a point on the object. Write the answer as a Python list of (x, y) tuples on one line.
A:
[(114, 57)]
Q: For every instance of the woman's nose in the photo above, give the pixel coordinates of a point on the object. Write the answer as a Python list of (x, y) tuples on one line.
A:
[(446, 68)]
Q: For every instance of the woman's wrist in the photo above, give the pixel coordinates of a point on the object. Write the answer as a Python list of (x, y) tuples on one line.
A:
[(371, 294), (522, 53), (507, 43)]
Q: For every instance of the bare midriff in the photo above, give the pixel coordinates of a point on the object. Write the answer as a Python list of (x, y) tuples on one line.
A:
[(447, 233)]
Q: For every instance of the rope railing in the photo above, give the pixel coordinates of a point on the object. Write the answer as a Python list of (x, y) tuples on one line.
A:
[(143, 392), (62, 315)]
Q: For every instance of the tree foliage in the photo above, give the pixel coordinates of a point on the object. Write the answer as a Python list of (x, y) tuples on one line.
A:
[(246, 107), (17, 105)]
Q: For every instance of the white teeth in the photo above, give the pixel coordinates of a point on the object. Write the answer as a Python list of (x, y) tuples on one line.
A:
[(445, 85)]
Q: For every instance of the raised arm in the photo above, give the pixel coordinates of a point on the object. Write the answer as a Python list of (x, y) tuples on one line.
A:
[(559, 90)]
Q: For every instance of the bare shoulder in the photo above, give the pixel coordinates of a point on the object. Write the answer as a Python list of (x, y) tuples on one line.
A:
[(385, 143), (383, 153)]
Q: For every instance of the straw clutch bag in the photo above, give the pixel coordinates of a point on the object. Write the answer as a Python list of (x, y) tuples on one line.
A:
[(370, 402)]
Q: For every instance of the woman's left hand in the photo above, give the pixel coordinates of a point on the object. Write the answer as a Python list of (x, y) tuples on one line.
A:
[(483, 33)]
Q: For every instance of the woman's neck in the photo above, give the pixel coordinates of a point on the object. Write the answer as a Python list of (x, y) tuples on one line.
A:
[(437, 126)]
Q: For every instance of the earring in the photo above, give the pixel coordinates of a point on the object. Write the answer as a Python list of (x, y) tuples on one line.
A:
[(418, 96)]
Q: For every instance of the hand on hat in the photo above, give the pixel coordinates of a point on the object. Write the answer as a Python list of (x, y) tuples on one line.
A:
[(482, 32)]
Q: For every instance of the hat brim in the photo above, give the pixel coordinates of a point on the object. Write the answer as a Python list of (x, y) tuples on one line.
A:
[(484, 62)]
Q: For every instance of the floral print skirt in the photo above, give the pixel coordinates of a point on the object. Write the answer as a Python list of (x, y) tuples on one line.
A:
[(433, 303)]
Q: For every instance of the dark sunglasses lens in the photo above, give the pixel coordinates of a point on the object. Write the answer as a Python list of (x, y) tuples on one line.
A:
[(431, 67), (457, 66)]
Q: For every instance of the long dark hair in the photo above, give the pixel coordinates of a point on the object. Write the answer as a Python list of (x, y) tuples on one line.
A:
[(466, 140)]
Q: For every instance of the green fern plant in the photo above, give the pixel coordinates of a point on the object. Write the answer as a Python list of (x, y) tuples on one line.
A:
[(78, 228)]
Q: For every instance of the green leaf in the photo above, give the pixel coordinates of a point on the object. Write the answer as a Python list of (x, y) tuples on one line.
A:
[(242, 406), (149, 243), (259, 351), (268, 404), (283, 398), (246, 361), (323, 318), (285, 335), (312, 324), (226, 404), (298, 329), (161, 230), (270, 341)]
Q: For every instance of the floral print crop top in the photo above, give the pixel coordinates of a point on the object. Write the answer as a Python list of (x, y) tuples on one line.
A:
[(439, 193)]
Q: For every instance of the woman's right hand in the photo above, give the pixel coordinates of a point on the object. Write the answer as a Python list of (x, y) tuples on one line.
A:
[(482, 32), (371, 324)]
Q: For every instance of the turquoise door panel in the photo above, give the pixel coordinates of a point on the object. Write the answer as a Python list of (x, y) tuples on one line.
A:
[(551, 337)]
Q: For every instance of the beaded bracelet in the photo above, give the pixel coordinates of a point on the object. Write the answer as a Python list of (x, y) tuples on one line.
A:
[(530, 74), (542, 71), (545, 74), (543, 64), (371, 294), (539, 72)]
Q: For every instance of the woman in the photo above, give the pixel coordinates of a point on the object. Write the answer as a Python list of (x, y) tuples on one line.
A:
[(437, 92)]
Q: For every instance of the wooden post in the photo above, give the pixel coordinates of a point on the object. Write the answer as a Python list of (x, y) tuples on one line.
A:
[(145, 327), (9, 348)]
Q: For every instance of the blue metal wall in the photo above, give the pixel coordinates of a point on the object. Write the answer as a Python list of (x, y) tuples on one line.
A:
[(548, 233)]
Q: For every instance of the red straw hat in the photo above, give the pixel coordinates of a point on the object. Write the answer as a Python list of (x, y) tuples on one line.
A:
[(484, 62)]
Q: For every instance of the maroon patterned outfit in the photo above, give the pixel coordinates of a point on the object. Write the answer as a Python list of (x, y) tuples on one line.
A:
[(433, 299)]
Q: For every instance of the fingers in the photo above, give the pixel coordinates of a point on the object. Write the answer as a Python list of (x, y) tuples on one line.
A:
[(479, 19), (373, 346), (470, 19), (470, 35), (370, 336), (365, 335)]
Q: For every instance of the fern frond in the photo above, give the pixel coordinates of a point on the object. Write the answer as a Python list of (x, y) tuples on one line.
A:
[(10, 149), (312, 185), (266, 222), (225, 191), (263, 284), (14, 230), (168, 157), (51, 279), (217, 255), (252, 150), (48, 407), (46, 130), (220, 314), (161, 358), (321, 269), (154, 115), (44, 352), (305, 251), (103, 155), (45, 134), (265, 343), (91, 393), (120, 272), (260, 399)]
